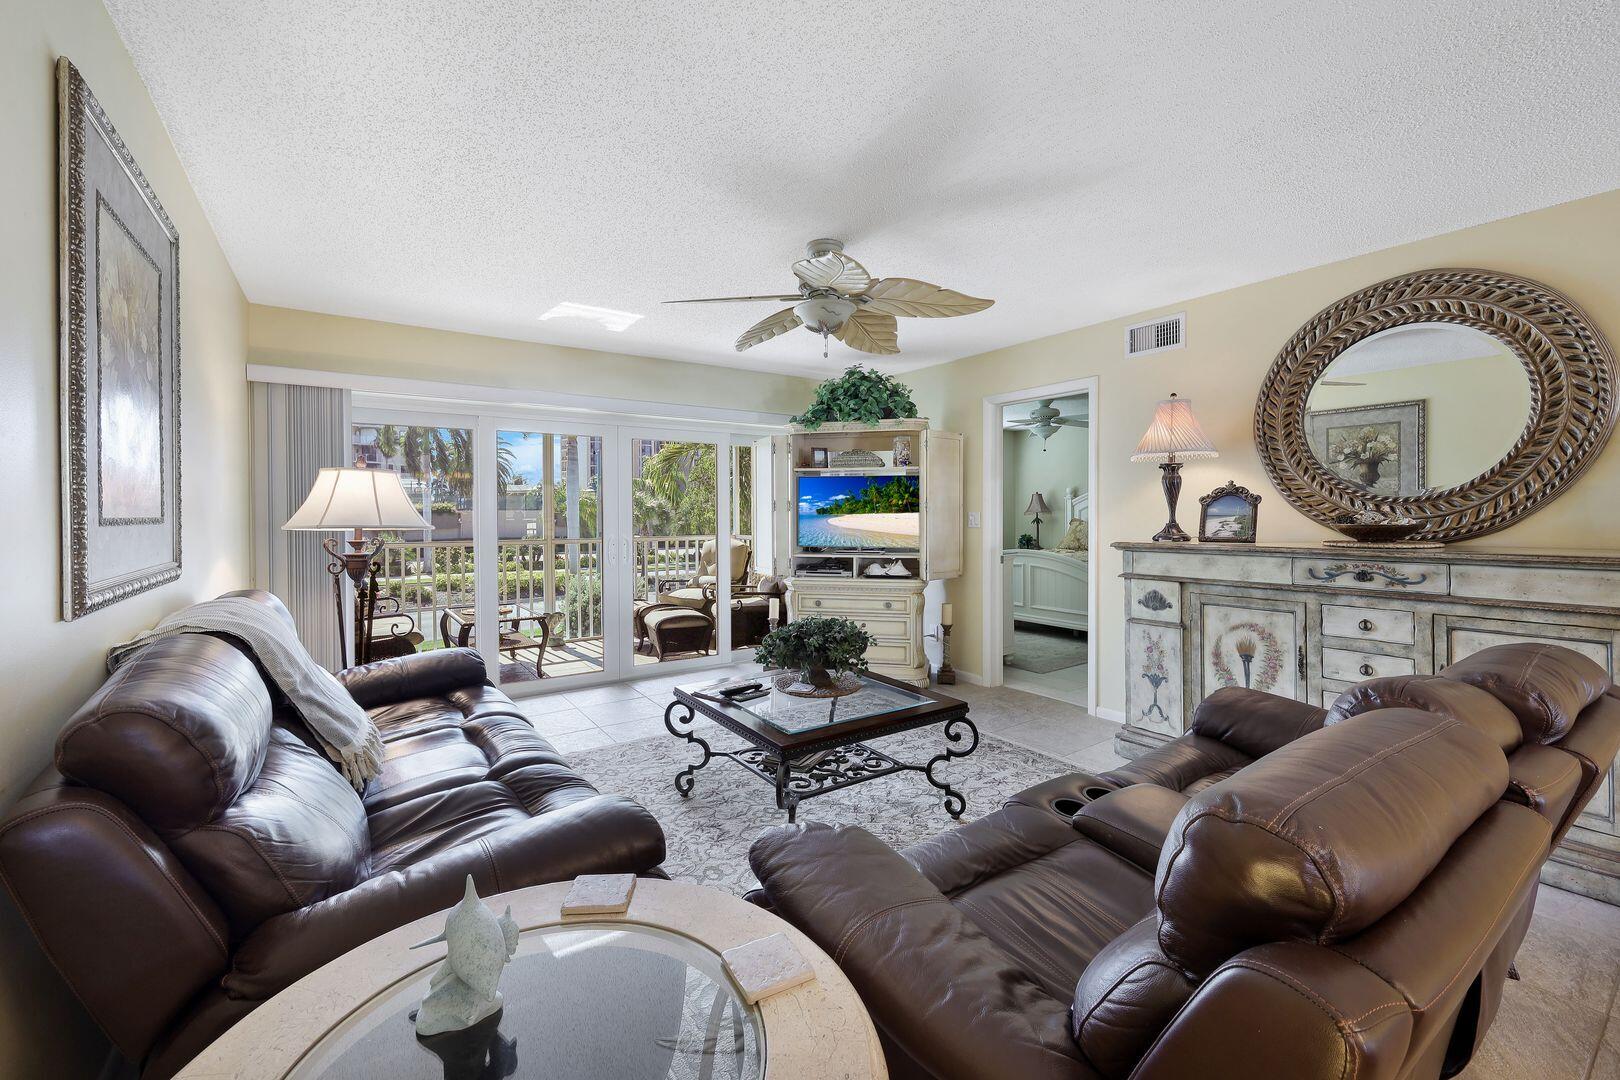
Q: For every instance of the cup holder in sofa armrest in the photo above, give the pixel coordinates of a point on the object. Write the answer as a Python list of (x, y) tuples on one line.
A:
[(1070, 805)]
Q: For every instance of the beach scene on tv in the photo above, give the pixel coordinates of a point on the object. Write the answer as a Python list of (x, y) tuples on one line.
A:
[(879, 512)]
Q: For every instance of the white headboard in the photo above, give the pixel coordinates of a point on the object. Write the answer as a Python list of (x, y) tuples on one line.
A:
[(1078, 505)]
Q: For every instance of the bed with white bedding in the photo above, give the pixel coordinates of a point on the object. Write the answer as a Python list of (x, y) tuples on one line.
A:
[(1048, 586)]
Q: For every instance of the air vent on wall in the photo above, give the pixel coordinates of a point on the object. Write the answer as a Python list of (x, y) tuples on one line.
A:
[(1156, 336)]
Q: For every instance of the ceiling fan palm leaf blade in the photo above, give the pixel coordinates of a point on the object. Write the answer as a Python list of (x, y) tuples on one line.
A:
[(871, 332), (736, 299), (770, 326), (833, 270), (920, 300)]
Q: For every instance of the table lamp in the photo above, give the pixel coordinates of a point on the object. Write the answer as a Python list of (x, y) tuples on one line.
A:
[(1173, 437), (357, 501), (1037, 506)]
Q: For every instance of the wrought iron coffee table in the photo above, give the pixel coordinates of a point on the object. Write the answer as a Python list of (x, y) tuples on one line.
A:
[(806, 747)]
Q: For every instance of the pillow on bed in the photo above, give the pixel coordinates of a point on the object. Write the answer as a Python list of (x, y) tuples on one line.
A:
[(1075, 538)]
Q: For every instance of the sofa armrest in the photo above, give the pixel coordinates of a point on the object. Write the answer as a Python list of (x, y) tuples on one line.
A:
[(1253, 722), (418, 675), (1132, 822), (606, 834), (1178, 763), (936, 985)]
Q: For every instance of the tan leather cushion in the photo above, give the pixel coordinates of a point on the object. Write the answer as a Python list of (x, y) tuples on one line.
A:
[(1546, 686), (1323, 837), (1436, 694)]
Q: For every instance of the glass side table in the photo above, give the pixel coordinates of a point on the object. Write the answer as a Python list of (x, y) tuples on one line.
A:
[(596, 1001), (595, 997)]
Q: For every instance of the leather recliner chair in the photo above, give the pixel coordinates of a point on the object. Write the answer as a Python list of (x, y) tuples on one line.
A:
[(192, 851), (1348, 904), (1554, 712)]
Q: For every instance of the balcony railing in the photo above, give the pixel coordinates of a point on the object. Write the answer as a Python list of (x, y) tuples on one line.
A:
[(433, 577)]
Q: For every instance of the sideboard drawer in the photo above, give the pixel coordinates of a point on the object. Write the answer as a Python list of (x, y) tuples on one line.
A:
[(855, 606), (1352, 667), (899, 654), (1373, 575), (886, 628), (1370, 624)]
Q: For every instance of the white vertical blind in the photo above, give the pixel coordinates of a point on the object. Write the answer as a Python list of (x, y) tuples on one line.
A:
[(298, 430)]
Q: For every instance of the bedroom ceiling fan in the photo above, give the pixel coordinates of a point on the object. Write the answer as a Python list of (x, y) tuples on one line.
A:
[(837, 297), (1045, 421)]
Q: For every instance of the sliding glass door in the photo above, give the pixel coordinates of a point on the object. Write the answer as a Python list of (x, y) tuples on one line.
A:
[(549, 555), (567, 553)]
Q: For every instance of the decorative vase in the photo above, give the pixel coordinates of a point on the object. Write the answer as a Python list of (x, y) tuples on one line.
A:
[(1368, 472)]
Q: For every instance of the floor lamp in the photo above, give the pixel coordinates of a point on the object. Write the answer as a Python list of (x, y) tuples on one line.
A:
[(1173, 437), (355, 501)]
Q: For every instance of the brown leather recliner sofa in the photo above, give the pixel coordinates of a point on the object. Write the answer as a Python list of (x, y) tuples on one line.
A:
[(191, 852), (1297, 893)]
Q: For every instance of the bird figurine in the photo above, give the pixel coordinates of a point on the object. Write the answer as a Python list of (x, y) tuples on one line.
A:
[(465, 988)]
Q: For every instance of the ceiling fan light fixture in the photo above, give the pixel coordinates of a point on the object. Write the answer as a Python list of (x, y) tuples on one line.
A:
[(824, 314)]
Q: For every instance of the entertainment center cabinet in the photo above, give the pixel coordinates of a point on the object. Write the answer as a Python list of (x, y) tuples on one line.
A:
[(877, 583)]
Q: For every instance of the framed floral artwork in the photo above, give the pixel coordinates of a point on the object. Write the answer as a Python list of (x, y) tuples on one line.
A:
[(1378, 448), (120, 363)]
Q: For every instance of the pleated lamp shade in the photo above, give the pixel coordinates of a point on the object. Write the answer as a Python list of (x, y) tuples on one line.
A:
[(1174, 434), (343, 499)]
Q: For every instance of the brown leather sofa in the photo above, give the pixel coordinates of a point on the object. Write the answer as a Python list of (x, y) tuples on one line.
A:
[(191, 852), (1294, 893)]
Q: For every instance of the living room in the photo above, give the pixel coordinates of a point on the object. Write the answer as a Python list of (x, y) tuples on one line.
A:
[(428, 504)]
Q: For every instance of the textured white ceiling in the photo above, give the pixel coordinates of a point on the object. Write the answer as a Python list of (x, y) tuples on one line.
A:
[(470, 165)]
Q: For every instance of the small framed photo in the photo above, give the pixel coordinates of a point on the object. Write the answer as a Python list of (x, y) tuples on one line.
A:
[(818, 457), (1228, 515)]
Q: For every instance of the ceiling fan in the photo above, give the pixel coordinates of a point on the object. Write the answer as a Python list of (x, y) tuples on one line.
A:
[(1044, 420), (838, 297)]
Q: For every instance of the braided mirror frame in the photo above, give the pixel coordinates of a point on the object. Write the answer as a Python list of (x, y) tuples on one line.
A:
[(1573, 400)]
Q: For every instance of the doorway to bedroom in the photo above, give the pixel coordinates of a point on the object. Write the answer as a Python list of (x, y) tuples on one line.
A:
[(1043, 575)]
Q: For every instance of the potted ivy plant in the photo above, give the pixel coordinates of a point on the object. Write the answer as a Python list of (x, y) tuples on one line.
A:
[(859, 395), (819, 647)]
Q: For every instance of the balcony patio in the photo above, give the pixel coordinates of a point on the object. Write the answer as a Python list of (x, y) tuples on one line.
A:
[(552, 581)]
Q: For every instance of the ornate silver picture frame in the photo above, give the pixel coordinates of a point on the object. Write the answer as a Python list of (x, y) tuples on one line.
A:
[(119, 267)]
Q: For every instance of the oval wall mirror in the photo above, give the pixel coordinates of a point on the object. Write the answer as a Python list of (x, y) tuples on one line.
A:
[(1462, 398)]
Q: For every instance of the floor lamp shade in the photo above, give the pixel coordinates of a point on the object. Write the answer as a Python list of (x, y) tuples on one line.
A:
[(344, 499), (1174, 436), (356, 501)]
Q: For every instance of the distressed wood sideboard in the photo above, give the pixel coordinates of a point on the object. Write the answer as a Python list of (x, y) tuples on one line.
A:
[(1307, 621)]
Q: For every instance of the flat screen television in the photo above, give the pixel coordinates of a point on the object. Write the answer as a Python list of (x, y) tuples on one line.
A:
[(859, 513)]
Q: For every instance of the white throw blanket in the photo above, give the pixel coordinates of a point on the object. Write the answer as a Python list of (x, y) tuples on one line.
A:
[(343, 729)]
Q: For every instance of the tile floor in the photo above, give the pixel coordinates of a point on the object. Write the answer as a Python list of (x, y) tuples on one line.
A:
[(1560, 1022)]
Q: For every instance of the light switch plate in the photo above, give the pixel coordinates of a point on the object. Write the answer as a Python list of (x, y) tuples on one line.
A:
[(973, 519)]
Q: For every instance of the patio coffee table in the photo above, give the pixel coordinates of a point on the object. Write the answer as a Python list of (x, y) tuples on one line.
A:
[(806, 747)]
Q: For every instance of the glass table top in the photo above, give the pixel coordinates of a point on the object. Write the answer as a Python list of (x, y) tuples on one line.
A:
[(795, 715), (583, 1001)]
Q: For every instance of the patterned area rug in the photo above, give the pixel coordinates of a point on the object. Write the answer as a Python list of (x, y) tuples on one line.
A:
[(1045, 650), (710, 832)]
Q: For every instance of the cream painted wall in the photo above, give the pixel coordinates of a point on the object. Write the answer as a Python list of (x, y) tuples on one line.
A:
[(1232, 339), (48, 667), (1026, 469), (304, 339)]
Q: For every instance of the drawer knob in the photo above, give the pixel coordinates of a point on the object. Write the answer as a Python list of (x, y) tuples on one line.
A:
[(818, 603), (1365, 626), (888, 604), (1367, 669)]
